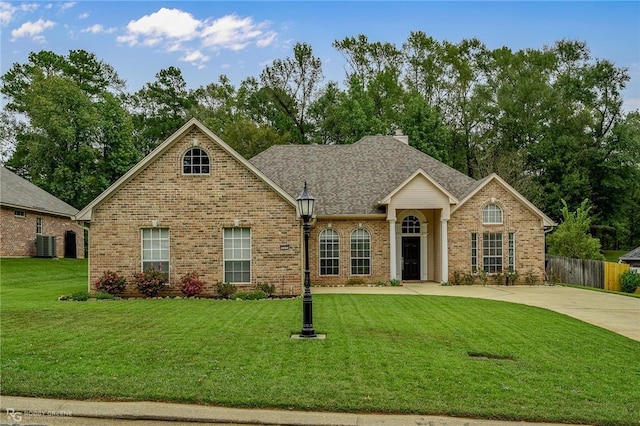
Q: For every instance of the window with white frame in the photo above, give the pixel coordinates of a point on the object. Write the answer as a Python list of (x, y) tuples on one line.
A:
[(474, 252), (491, 214), (411, 225), (155, 249), (19, 213), (492, 252), (195, 162), (329, 252), (360, 252), (511, 260), (237, 255), (38, 226)]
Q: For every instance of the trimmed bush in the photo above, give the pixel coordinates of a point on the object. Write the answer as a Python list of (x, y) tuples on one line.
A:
[(110, 282), (225, 290), (629, 281), (80, 296), (150, 282), (268, 289), (191, 284)]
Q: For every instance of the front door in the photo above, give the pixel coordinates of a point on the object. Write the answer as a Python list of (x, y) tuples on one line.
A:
[(410, 258)]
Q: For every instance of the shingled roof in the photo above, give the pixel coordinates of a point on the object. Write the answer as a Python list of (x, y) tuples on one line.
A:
[(632, 255), (20, 193), (352, 179)]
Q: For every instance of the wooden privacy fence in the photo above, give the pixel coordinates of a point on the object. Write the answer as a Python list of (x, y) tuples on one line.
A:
[(588, 273)]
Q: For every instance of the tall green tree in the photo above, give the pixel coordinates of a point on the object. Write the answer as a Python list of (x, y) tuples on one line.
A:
[(571, 238)]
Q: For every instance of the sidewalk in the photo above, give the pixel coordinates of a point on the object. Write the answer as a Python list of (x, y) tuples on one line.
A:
[(615, 312), (54, 412)]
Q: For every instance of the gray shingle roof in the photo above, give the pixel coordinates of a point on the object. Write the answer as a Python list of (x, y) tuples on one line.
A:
[(352, 179), (632, 255), (18, 192)]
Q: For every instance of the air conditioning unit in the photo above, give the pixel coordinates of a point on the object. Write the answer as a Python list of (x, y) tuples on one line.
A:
[(45, 246)]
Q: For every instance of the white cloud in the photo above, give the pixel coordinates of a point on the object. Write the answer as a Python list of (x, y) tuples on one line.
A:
[(97, 29), (174, 30), (33, 29), (8, 10), (165, 24), (67, 5), (84, 15)]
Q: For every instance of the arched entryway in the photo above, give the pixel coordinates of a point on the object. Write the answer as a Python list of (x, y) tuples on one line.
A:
[(411, 246)]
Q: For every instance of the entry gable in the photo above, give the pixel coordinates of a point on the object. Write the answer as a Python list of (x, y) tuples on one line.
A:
[(86, 213), (419, 191)]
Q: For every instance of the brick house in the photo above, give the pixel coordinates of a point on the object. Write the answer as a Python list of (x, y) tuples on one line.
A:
[(29, 213), (384, 210)]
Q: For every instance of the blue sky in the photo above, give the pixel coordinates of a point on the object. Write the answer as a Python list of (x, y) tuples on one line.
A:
[(209, 38)]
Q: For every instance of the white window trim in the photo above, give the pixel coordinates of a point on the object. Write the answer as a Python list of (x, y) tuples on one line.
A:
[(351, 258), (491, 213), (501, 256), (38, 226), (194, 174), (511, 246), (320, 258), (474, 246), (19, 213), (224, 258), (168, 260)]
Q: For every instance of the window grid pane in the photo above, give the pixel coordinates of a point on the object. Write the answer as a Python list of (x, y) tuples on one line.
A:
[(360, 252), (474, 252), (195, 162), (237, 255), (155, 249), (491, 214), (410, 225), (512, 252), (329, 252), (492, 252)]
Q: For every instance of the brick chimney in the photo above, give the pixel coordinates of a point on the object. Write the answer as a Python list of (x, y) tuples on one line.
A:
[(401, 137)]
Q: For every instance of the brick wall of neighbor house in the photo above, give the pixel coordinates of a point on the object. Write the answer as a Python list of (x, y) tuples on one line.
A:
[(18, 234), (517, 218), (196, 209), (379, 231)]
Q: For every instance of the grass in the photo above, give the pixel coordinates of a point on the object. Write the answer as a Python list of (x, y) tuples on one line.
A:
[(395, 354), (613, 255)]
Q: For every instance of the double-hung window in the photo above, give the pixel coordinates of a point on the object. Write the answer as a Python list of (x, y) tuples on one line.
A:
[(360, 252), (329, 252), (38, 226), (492, 252), (155, 249), (237, 255)]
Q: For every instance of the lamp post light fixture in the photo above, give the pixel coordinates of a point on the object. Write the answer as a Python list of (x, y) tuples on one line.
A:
[(305, 210)]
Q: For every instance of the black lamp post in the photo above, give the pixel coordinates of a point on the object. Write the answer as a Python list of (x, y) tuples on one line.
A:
[(305, 209)]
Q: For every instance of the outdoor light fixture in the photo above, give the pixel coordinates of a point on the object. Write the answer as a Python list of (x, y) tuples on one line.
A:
[(305, 210)]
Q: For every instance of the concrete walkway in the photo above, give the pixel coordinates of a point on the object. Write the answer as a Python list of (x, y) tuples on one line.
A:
[(618, 313), (54, 412)]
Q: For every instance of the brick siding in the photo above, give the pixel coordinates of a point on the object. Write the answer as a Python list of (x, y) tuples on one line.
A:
[(18, 234)]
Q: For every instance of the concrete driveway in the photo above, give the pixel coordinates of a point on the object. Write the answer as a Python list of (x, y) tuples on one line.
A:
[(618, 313)]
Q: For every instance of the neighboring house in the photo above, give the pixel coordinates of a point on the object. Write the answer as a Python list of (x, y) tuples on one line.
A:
[(29, 215), (384, 210), (632, 258)]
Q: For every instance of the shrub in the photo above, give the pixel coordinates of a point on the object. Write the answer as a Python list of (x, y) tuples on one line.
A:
[(103, 295), (80, 296), (225, 290), (468, 279), (110, 282), (191, 284), (394, 282), (252, 295), (511, 278), (151, 281), (380, 283), (629, 281), (531, 279), (268, 289), (356, 281), (456, 277), (498, 279), (482, 276)]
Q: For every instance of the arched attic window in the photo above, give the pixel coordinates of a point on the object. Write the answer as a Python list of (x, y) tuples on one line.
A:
[(195, 162), (491, 214)]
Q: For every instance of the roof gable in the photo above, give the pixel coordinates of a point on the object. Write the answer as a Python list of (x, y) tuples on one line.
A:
[(412, 179), (632, 255), (86, 213), (494, 177), (18, 192)]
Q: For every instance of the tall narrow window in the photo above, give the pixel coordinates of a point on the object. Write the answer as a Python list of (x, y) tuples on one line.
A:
[(195, 162), (492, 252), (411, 225), (474, 252), (329, 252), (491, 214), (511, 263), (38, 226), (360, 252), (155, 249), (237, 255)]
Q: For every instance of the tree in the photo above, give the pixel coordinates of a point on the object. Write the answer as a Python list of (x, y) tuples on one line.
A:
[(571, 238)]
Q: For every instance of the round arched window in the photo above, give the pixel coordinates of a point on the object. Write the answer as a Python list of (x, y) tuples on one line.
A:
[(195, 162), (410, 225)]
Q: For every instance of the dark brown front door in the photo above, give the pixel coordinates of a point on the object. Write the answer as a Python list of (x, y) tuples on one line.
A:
[(410, 258)]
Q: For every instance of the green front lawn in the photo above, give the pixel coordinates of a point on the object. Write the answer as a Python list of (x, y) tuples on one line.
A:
[(399, 354)]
